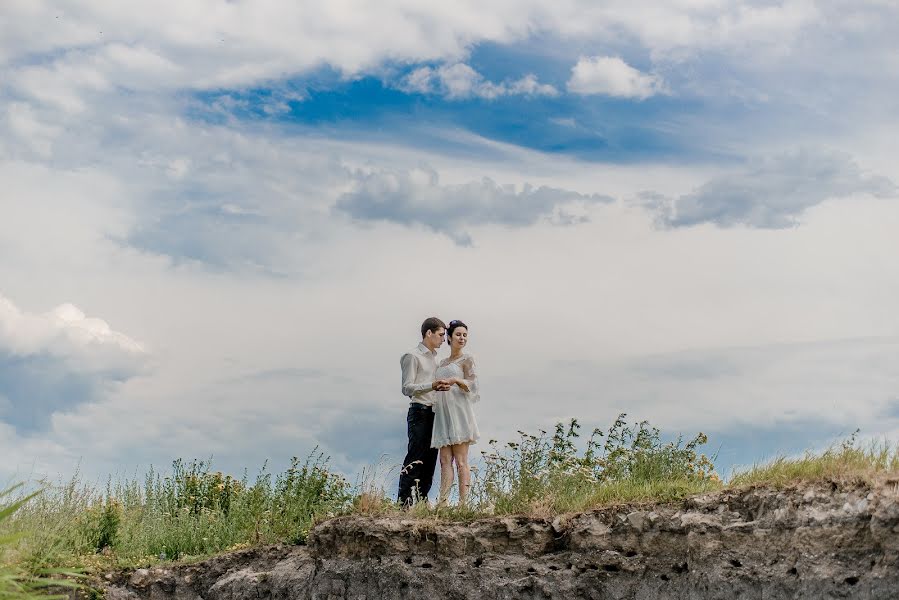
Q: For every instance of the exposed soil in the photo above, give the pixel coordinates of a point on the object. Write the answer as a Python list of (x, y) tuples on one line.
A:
[(815, 541)]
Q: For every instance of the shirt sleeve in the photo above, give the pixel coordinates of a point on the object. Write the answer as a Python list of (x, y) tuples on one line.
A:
[(470, 375), (410, 368)]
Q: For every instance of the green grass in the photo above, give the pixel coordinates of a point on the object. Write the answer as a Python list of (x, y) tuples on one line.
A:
[(846, 462), (193, 512), (546, 474), (17, 582)]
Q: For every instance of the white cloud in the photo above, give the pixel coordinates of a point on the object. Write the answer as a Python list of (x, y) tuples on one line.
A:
[(64, 331), (529, 85), (54, 362), (674, 29), (611, 76), (417, 198), (420, 80), (609, 290), (234, 43), (24, 124), (67, 57), (459, 81), (773, 192), (217, 246), (462, 81)]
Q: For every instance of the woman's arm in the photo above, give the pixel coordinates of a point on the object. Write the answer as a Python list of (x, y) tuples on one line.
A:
[(469, 381)]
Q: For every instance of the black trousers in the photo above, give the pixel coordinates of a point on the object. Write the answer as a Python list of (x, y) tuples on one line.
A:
[(421, 459)]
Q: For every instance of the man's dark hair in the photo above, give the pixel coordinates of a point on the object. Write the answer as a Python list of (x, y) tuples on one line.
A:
[(431, 324)]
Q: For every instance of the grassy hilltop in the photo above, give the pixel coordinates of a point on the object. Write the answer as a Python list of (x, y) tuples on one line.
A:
[(193, 511)]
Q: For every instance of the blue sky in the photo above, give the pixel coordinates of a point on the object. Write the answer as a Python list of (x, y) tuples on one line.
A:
[(610, 129), (224, 221)]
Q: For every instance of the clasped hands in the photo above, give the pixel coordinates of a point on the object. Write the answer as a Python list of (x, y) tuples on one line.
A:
[(442, 385)]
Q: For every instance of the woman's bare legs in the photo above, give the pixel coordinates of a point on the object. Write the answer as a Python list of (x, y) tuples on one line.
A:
[(460, 455), (446, 473)]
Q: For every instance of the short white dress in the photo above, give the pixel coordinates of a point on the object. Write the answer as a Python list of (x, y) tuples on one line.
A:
[(454, 420)]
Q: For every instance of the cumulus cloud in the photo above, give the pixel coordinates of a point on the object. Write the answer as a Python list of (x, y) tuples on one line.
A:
[(58, 360), (771, 193), (234, 43), (459, 81), (136, 179), (65, 57), (213, 45), (417, 197), (65, 330), (611, 76)]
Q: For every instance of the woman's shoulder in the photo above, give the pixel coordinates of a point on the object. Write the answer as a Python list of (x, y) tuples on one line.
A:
[(465, 358)]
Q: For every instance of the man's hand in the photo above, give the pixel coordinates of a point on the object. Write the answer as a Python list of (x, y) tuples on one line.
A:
[(441, 385)]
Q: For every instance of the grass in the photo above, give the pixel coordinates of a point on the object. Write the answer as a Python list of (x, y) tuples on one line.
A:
[(547, 473), (848, 462), (17, 582), (193, 512)]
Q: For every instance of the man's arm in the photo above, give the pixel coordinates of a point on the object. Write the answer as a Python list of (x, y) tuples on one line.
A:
[(409, 365)]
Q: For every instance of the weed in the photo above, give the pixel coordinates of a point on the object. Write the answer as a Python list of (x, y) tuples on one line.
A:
[(16, 582), (192, 511), (548, 473)]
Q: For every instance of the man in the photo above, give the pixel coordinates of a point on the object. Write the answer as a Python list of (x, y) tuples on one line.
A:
[(419, 384)]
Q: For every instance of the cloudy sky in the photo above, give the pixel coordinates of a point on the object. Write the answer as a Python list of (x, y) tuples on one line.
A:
[(222, 222)]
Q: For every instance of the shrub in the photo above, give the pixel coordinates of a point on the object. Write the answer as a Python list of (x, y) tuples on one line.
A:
[(195, 511), (548, 472)]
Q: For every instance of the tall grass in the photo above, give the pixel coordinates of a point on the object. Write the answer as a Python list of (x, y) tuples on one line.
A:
[(550, 473), (16, 582), (195, 511), (546, 474), (846, 461), (191, 511)]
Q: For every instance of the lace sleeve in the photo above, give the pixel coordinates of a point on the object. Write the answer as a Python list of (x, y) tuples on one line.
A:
[(470, 375)]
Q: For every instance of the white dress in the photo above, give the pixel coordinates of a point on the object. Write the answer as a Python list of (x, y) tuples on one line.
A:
[(454, 420)]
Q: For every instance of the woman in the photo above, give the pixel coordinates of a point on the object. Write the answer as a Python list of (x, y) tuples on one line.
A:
[(455, 427)]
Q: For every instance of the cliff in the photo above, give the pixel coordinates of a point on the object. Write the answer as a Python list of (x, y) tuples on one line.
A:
[(823, 540)]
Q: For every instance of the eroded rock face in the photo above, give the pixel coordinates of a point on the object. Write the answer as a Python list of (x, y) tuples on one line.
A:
[(818, 541)]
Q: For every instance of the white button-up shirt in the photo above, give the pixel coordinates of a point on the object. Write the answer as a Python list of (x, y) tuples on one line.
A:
[(419, 371)]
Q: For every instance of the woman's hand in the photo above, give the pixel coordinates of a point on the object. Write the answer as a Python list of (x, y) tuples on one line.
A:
[(462, 385)]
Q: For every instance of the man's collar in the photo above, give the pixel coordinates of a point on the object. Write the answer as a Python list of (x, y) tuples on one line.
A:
[(423, 348)]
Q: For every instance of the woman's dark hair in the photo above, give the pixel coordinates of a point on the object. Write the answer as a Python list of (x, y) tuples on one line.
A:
[(431, 324), (452, 327)]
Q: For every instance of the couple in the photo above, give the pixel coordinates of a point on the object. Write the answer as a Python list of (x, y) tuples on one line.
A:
[(440, 420)]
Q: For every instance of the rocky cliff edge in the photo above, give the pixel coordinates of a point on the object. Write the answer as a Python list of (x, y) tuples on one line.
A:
[(816, 541)]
